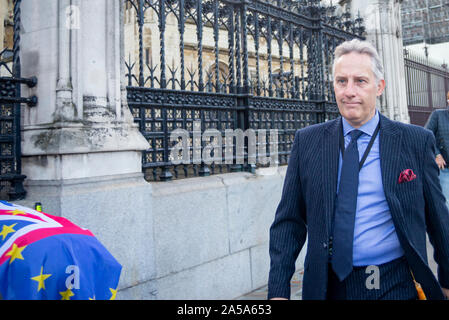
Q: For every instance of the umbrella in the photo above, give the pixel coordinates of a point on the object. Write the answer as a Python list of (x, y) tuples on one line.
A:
[(45, 257)]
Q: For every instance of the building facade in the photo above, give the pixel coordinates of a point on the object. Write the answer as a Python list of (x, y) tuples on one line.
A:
[(425, 21)]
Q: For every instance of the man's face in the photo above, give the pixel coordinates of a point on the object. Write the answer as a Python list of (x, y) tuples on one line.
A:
[(355, 88)]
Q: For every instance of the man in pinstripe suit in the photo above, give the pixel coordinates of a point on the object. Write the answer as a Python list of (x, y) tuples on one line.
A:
[(396, 199)]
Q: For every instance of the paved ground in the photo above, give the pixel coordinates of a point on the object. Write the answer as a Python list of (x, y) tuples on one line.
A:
[(296, 286), (296, 283)]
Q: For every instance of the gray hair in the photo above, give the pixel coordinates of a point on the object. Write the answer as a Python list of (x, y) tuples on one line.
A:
[(361, 47)]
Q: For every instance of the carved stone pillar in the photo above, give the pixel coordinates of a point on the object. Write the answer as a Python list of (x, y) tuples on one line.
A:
[(383, 26), (81, 150), (81, 127)]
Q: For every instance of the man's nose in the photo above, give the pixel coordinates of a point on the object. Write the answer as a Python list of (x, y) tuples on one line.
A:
[(350, 89)]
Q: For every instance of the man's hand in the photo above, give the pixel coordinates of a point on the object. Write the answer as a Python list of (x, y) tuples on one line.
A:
[(440, 161), (278, 299), (446, 293)]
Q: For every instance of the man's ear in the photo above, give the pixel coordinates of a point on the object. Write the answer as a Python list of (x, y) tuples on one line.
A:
[(380, 87)]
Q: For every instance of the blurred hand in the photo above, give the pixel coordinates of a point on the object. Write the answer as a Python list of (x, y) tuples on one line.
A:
[(440, 161), (278, 299), (446, 293)]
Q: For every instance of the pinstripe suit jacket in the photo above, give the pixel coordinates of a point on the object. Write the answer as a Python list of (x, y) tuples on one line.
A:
[(308, 196)]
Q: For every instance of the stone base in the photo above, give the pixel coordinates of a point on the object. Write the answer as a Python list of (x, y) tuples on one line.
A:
[(67, 167)]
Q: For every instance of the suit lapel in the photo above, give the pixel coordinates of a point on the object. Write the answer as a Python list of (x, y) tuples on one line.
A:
[(390, 138), (390, 162), (330, 156)]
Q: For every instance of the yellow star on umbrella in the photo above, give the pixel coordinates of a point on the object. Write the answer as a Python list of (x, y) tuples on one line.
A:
[(15, 253), (16, 212), (40, 279), (66, 294), (114, 293), (7, 230)]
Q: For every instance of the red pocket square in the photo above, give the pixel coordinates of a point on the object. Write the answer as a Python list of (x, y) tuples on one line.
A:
[(406, 175)]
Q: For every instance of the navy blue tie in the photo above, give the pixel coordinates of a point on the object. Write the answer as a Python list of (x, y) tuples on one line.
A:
[(345, 208)]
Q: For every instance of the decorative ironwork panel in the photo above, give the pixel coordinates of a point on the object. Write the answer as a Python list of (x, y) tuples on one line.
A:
[(285, 116), (11, 178), (229, 64), (160, 112)]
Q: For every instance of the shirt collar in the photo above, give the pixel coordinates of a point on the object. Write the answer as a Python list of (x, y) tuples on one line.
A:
[(368, 128)]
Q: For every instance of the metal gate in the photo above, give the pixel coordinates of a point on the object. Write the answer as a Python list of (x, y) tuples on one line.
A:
[(427, 84), (11, 177), (229, 64)]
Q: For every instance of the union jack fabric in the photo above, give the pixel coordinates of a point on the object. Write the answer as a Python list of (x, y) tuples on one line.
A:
[(45, 257)]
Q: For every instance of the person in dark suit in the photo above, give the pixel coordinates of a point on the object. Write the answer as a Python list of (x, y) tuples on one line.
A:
[(438, 123), (363, 189)]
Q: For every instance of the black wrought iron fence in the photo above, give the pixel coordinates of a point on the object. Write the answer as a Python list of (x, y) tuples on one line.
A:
[(11, 177), (226, 65), (427, 85)]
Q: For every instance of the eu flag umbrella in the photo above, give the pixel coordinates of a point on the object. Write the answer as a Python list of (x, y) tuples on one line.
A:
[(45, 257)]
